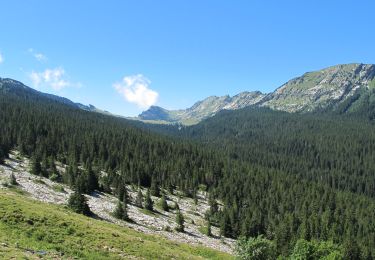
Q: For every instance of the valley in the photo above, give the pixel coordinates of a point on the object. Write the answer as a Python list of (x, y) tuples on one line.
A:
[(231, 172)]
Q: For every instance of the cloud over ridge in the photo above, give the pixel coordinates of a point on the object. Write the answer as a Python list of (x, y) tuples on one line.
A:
[(54, 78), (135, 89)]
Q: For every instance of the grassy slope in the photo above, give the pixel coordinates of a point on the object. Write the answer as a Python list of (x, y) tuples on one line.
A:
[(28, 224)]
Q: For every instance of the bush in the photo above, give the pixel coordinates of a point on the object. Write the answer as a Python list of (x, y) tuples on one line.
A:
[(258, 248), (304, 249), (206, 230)]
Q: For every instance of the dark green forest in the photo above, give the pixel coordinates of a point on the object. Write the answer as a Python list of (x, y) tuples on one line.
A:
[(284, 176)]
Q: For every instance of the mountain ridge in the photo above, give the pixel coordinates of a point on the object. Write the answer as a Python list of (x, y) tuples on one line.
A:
[(17, 87), (322, 90)]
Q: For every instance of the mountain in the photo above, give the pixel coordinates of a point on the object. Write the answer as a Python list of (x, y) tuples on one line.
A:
[(321, 89), (203, 109), (15, 87), (343, 88)]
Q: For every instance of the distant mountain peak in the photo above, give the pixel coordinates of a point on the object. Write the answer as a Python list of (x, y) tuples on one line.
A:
[(202, 109)]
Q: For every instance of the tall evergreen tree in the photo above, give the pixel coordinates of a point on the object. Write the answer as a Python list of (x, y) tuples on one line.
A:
[(163, 203), (180, 221), (139, 199), (149, 204), (154, 189), (36, 167), (78, 203)]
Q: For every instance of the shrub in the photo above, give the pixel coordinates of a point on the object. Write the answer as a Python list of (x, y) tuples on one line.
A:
[(255, 248)]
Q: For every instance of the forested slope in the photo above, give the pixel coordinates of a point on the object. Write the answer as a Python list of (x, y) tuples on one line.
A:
[(274, 176)]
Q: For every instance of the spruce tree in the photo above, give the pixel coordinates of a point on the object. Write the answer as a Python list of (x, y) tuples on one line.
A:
[(119, 210), (209, 233), (120, 191), (125, 215), (78, 203), (163, 203), (36, 167), (155, 190), (13, 180), (91, 179), (180, 222), (225, 225), (2, 155), (139, 199), (149, 204)]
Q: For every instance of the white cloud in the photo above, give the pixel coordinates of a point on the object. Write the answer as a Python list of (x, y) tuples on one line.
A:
[(54, 78), (1, 58), (135, 89), (37, 55)]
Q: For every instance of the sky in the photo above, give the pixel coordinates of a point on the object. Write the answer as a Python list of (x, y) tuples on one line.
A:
[(124, 56)]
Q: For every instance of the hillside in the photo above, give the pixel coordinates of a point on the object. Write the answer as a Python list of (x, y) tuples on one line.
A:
[(157, 222), (343, 88), (30, 229), (15, 87), (242, 158)]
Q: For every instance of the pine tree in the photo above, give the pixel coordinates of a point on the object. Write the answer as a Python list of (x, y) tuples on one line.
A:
[(176, 207), (78, 203), (13, 180), (45, 167), (139, 199), (149, 204), (225, 225), (351, 250), (36, 167), (119, 210), (209, 232), (92, 180), (195, 196), (2, 155), (163, 203), (125, 215), (155, 190), (213, 205), (180, 222), (120, 191)]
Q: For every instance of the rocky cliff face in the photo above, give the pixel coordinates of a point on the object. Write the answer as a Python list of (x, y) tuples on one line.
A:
[(313, 91), (320, 89)]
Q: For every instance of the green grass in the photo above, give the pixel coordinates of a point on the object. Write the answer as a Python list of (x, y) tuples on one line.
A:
[(58, 188), (149, 212), (28, 227), (39, 181)]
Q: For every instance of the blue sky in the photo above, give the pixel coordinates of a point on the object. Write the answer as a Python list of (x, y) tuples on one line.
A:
[(123, 56)]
